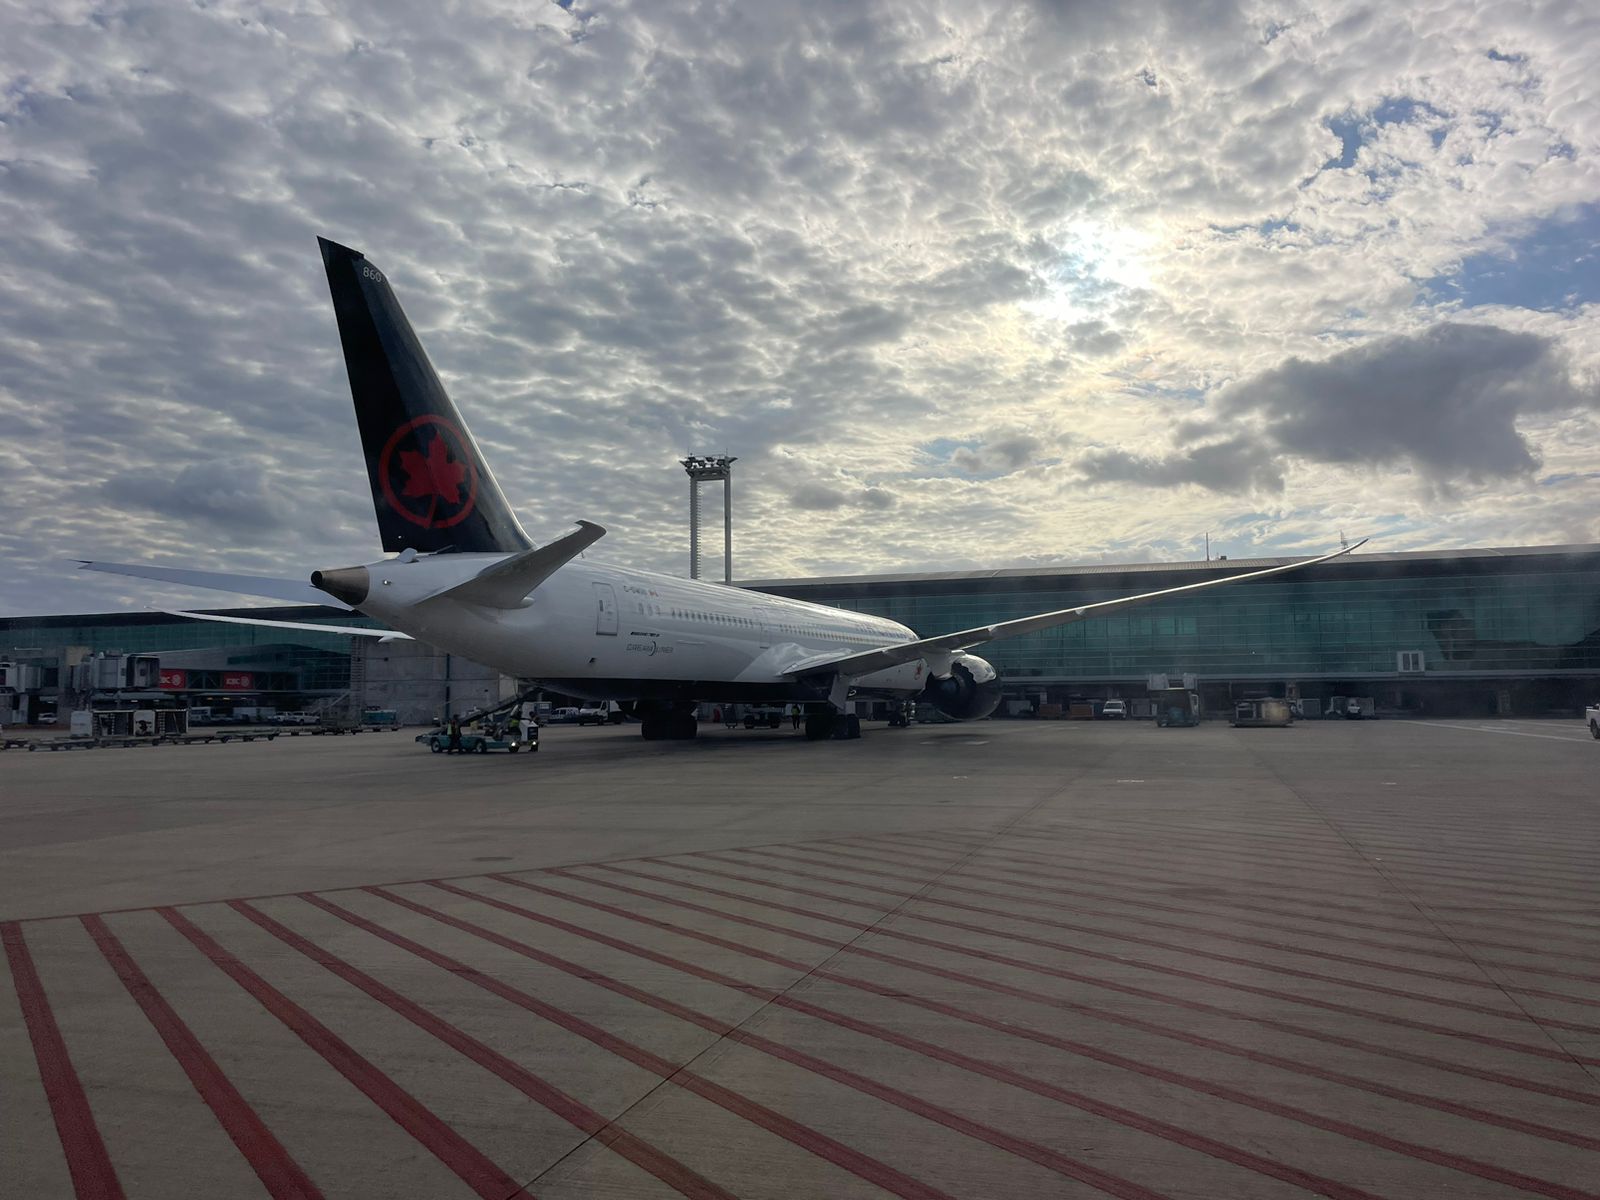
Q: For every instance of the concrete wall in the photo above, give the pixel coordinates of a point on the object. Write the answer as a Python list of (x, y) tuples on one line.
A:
[(421, 683)]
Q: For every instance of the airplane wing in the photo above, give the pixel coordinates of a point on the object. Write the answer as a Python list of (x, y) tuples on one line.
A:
[(865, 662), (297, 591), (383, 635)]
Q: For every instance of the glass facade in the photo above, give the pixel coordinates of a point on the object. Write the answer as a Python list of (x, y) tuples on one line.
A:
[(1525, 614), (280, 660)]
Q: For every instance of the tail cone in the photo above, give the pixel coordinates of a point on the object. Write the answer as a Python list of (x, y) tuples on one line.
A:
[(349, 584)]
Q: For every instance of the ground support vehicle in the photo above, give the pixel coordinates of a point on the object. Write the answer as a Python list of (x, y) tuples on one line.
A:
[(1176, 707), (481, 743), (1261, 712), (1114, 710), (1592, 715), (1353, 708)]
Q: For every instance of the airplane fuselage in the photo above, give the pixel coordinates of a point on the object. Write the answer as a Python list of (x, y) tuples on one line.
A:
[(611, 633)]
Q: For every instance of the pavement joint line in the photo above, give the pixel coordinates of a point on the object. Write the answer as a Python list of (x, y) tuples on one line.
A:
[(682, 1075), (1142, 902), (1440, 1104), (857, 1163), (1543, 1024), (1476, 851), (1513, 1081), (1333, 956), (1183, 1137), (1486, 884), (1297, 848), (1560, 1055), (1300, 973), (466, 1161), (1137, 878), (1428, 1154), (88, 1163), (1023, 859), (279, 1173), (887, 915), (595, 1126), (1549, 737), (144, 908), (1147, 862)]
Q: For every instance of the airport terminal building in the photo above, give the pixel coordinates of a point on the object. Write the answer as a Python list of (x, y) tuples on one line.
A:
[(1509, 631)]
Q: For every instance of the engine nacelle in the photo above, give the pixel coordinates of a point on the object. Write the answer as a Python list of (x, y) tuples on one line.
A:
[(971, 692)]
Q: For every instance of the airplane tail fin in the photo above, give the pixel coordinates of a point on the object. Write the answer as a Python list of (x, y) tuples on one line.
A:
[(430, 485)]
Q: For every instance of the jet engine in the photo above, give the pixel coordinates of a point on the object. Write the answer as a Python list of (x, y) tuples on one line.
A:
[(970, 692)]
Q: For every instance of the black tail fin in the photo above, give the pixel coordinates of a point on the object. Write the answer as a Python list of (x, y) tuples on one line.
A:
[(430, 485)]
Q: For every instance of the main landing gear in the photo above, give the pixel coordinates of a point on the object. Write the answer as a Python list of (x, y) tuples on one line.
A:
[(670, 725), (829, 723)]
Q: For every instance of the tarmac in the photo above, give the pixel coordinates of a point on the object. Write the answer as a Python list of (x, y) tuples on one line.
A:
[(1007, 959)]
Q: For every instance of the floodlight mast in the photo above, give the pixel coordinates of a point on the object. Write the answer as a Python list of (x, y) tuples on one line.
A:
[(705, 468)]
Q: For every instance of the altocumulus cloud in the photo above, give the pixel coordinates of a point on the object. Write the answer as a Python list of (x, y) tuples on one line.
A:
[(820, 237)]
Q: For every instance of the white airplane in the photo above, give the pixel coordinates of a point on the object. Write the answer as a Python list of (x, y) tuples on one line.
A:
[(465, 577)]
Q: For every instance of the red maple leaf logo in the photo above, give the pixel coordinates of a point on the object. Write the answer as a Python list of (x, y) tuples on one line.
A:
[(435, 475)]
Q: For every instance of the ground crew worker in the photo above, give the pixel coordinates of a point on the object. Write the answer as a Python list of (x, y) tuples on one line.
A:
[(455, 734)]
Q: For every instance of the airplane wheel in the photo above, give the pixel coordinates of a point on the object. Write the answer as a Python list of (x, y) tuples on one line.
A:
[(819, 726), (684, 727), (853, 726), (653, 729)]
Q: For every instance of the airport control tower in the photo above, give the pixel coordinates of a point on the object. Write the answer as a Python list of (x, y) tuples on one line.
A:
[(708, 468)]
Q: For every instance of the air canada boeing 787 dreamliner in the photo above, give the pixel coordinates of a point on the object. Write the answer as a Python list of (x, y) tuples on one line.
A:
[(462, 575)]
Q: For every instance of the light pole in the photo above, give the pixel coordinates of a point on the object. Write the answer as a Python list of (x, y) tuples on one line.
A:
[(704, 468)]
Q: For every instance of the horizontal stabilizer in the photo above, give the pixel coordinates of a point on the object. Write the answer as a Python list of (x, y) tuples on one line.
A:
[(864, 662), (508, 582), (296, 591), (383, 635)]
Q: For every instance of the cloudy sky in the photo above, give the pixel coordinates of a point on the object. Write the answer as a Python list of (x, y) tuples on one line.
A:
[(960, 284)]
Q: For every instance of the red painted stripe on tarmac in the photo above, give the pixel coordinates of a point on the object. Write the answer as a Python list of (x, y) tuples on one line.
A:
[(1160, 1129), (1315, 917), (1371, 835), (1428, 1154), (1137, 846), (1547, 1052), (1333, 956), (1294, 1066), (664, 1167), (1447, 948), (1515, 1081), (862, 1165), (698, 1084), (1511, 1014), (473, 1167), (1164, 873), (1187, 1138), (93, 1176), (1480, 885), (273, 1165)]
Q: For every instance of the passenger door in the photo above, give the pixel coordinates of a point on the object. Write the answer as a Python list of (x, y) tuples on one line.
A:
[(605, 620)]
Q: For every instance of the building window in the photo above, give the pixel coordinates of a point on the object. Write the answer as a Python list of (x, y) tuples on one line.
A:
[(1410, 662)]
